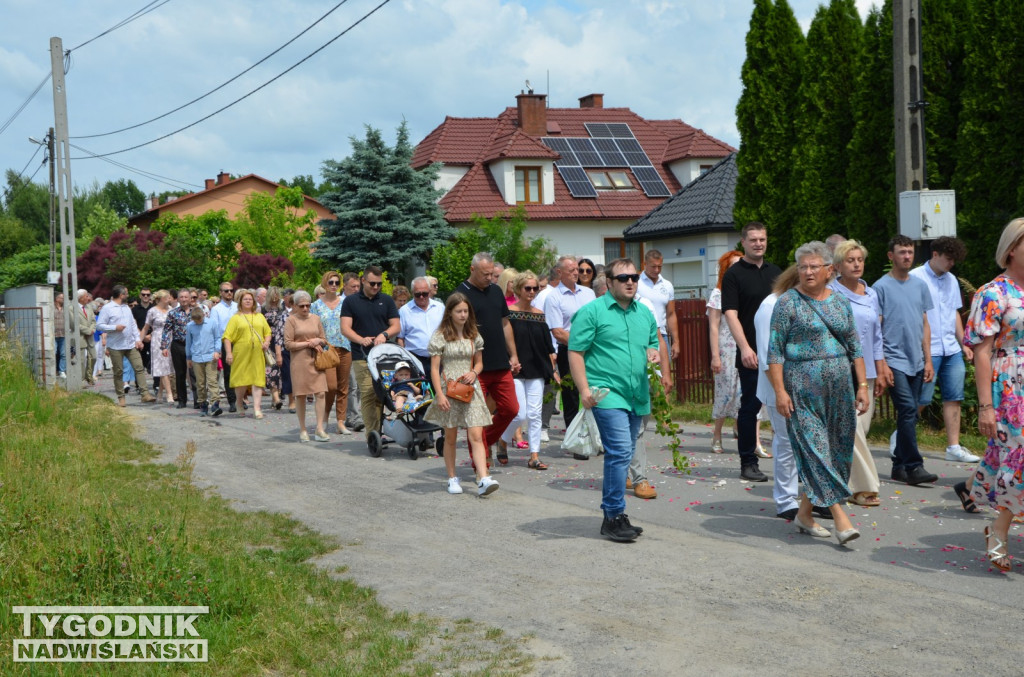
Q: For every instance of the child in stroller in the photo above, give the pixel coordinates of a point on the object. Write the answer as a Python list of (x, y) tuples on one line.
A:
[(405, 390), (404, 394)]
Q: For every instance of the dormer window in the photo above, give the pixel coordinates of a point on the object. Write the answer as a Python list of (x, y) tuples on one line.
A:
[(528, 185), (610, 180)]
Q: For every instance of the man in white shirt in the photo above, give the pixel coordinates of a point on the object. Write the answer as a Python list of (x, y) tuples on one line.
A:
[(947, 340), (219, 316), (659, 291), (563, 302), (123, 340), (548, 408), (420, 319)]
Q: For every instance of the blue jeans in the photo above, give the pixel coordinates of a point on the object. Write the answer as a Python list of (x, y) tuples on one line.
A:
[(619, 430), (61, 361), (905, 392), (949, 375), (746, 420)]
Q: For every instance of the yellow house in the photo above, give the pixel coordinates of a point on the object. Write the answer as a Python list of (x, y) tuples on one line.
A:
[(223, 193)]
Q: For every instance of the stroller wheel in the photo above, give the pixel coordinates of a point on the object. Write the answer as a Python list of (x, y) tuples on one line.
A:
[(439, 446), (373, 441), (424, 444), (413, 451)]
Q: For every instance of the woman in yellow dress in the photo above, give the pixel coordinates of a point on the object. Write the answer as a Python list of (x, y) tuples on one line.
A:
[(245, 338)]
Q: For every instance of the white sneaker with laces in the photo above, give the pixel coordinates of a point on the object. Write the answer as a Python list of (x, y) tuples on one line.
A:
[(486, 486), (454, 487), (958, 453), (544, 436), (892, 445)]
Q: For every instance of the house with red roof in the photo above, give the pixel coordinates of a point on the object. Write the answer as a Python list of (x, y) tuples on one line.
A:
[(582, 174)]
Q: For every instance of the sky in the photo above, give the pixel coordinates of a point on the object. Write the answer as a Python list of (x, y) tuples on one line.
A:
[(412, 60)]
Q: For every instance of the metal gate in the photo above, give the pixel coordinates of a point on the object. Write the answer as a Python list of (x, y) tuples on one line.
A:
[(24, 330), (694, 380)]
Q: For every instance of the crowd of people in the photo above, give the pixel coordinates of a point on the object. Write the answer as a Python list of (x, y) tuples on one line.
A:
[(808, 348)]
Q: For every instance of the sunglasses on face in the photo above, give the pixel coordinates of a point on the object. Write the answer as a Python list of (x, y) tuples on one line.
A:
[(143, 294), (585, 271), (530, 288), (302, 305), (333, 283), (626, 277), (374, 284), (226, 291), (421, 294)]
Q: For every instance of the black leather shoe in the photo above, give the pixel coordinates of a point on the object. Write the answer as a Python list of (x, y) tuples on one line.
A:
[(918, 475), (181, 404), (581, 457), (787, 514), (625, 518), (752, 473), (232, 409), (618, 530), (823, 513), (899, 475)]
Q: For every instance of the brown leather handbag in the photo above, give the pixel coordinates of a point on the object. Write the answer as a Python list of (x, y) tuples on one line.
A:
[(457, 390), (326, 358)]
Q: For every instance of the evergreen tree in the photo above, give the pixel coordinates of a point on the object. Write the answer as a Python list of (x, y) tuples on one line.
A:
[(826, 122), (766, 120), (386, 212), (871, 202), (989, 173)]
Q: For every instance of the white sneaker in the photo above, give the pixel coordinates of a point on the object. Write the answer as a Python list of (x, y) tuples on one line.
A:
[(958, 453), (454, 487), (544, 435), (486, 486), (892, 445)]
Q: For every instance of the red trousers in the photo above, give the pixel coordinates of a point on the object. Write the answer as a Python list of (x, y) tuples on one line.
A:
[(499, 386)]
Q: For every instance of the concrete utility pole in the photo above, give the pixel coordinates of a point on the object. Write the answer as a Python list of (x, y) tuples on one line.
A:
[(908, 96), (60, 162)]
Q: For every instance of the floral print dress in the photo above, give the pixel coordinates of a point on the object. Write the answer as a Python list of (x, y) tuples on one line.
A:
[(727, 383), (998, 310)]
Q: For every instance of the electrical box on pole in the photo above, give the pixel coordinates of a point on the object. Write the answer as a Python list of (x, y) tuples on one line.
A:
[(928, 214)]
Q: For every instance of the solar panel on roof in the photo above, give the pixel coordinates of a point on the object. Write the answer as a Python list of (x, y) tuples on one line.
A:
[(584, 149), (577, 181), (650, 181), (598, 130), (609, 152), (620, 130), (634, 152), (561, 146)]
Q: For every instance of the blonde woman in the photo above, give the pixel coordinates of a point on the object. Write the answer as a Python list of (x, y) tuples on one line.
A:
[(160, 363), (245, 338)]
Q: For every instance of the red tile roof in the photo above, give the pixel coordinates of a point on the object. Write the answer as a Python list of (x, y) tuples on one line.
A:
[(479, 141)]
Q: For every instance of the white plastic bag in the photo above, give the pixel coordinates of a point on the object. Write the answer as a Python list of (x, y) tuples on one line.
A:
[(582, 437)]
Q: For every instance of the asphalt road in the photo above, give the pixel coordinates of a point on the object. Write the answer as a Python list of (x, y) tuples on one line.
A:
[(716, 585)]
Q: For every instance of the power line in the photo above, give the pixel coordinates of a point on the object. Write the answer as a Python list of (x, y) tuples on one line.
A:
[(246, 96), (139, 13), (220, 86), (175, 183), (22, 172), (25, 103)]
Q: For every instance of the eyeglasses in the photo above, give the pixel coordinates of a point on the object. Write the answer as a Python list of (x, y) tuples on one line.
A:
[(374, 284), (302, 305), (626, 277), (421, 294), (530, 288), (810, 269), (333, 283)]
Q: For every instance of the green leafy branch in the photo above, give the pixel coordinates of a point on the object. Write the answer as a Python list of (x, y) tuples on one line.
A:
[(661, 412)]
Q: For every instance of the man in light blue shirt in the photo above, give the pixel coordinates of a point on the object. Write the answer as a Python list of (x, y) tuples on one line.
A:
[(219, 316), (948, 349), (123, 341), (420, 319), (559, 308)]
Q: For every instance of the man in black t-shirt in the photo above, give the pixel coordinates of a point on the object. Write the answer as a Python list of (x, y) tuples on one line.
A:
[(744, 286), (500, 359), (139, 311), (368, 319)]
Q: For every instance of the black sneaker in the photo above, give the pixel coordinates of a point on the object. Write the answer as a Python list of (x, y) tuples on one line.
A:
[(232, 409), (215, 410), (787, 514), (618, 530), (752, 473), (899, 475), (625, 518), (918, 475)]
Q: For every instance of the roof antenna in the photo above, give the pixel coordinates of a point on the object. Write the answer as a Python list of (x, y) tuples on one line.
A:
[(529, 87)]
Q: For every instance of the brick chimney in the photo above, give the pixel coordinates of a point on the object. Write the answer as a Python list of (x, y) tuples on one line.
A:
[(156, 200), (210, 183), (533, 114), (592, 101), (223, 178)]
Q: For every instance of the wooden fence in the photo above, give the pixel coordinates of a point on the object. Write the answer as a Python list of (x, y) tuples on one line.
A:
[(694, 380)]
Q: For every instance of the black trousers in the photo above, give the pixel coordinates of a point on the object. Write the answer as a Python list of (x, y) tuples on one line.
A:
[(182, 374), (746, 420), (228, 390), (570, 395)]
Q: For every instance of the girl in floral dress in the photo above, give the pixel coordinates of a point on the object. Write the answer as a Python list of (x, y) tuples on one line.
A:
[(456, 353), (996, 330)]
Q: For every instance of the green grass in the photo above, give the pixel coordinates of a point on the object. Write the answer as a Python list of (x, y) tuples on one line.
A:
[(86, 518)]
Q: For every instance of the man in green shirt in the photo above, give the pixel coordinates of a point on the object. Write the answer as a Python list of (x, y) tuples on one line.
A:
[(613, 338)]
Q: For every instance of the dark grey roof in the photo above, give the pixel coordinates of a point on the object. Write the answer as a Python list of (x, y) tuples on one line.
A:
[(705, 204)]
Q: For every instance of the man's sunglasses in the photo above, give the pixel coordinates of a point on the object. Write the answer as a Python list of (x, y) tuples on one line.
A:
[(421, 294), (626, 277), (374, 284)]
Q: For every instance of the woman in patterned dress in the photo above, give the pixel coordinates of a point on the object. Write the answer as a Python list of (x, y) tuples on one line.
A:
[(813, 340), (723, 357), (996, 330), (275, 316), (160, 363), (456, 353)]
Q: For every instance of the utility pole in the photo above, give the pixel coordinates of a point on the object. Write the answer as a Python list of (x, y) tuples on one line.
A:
[(60, 162), (908, 96), (53, 210)]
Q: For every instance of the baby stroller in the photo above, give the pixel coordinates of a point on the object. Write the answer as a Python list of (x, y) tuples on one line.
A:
[(407, 429)]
